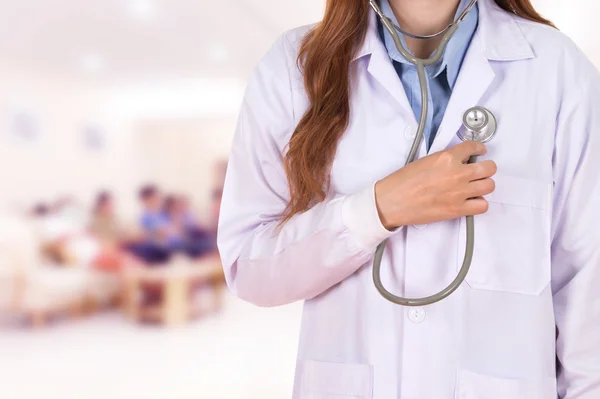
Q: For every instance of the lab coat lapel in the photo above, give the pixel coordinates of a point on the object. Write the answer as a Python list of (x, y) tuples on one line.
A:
[(475, 77), (498, 39), (381, 68)]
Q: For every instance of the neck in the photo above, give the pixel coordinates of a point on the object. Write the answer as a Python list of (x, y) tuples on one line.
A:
[(424, 17)]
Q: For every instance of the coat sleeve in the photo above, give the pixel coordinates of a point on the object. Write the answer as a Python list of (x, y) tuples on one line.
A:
[(314, 250), (576, 238)]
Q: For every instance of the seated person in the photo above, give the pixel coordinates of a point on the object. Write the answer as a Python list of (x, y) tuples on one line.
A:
[(191, 225), (156, 225), (104, 223), (62, 235), (197, 241), (116, 242), (106, 227), (183, 209)]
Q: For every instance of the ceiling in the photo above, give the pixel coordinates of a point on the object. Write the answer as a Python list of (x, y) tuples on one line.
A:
[(137, 40), (140, 40)]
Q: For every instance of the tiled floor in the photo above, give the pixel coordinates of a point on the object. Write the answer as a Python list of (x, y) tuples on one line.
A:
[(243, 353)]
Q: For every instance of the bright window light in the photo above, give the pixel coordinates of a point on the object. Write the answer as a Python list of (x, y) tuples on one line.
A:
[(142, 10)]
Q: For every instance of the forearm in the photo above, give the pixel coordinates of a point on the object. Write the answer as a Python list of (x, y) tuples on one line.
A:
[(308, 255)]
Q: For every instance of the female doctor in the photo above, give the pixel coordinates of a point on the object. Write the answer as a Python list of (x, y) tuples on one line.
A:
[(316, 181)]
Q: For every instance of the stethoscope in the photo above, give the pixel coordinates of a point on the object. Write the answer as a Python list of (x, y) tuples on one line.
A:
[(480, 125)]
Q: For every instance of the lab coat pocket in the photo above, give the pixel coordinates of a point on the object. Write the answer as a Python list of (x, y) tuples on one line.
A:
[(512, 239), (472, 385), (324, 380)]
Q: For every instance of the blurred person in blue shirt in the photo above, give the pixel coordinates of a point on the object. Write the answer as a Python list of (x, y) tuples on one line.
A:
[(154, 222), (168, 225), (186, 233), (153, 246)]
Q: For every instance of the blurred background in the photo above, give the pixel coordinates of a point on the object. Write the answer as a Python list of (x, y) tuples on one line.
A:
[(116, 118)]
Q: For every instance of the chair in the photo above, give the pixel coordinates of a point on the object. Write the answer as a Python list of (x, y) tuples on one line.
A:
[(32, 287)]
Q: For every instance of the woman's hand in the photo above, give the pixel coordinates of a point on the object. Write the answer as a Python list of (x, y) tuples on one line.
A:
[(438, 187)]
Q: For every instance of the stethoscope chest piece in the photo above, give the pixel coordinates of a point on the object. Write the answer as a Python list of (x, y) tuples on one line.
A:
[(480, 125)]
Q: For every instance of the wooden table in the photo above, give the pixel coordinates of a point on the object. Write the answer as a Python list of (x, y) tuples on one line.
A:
[(177, 281)]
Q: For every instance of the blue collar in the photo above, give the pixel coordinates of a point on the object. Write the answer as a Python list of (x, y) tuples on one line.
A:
[(455, 50)]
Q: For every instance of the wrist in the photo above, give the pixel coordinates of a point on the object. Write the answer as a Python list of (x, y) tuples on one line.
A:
[(360, 216), (381, 206)]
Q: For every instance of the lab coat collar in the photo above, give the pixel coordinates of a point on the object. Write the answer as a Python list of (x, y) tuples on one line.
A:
[(498, 38), (455, 50), (501, 37)]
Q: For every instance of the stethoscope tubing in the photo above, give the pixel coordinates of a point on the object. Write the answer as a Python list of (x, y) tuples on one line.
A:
[(470, 224)]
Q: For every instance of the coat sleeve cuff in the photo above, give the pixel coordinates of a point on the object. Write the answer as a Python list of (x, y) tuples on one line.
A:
[(360, 216)]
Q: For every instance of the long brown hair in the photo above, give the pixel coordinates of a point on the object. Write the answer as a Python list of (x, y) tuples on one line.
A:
[(325, 57)]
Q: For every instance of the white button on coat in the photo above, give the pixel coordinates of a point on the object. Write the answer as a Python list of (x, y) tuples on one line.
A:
[(417, 315), (410, 132)]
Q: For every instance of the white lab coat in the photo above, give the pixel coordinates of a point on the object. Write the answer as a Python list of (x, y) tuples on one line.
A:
[(533, 292)]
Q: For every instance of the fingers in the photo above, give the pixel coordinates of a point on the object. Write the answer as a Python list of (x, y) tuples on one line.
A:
[(480, 170), (475, 206), (479, 188), (463, 151)]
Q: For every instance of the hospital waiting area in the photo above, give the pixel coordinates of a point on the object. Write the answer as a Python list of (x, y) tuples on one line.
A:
[(116, 123)]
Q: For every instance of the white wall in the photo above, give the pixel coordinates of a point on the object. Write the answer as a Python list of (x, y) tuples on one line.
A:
[(181, 154), (170, 133), (576, 18), (57, 162)]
